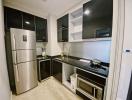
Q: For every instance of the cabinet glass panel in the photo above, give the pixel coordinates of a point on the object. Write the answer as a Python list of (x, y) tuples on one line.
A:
[(28, 22), (41, 29), (13, 18), (62, 28), (97, 19)]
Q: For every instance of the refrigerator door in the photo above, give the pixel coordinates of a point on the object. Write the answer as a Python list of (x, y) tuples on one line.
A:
[(25, 76), (26, 55), (23, 39)]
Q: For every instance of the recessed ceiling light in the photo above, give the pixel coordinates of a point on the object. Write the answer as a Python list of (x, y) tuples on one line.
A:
[(87, 12), (27, 22)]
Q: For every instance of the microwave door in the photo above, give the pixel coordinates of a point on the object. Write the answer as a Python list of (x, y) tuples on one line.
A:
[(23, 39), (89, 89)]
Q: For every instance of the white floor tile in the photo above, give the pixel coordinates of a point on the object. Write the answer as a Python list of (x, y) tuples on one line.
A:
[(48, 90)]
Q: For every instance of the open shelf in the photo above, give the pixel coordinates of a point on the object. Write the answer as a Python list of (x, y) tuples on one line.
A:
[(77, 21), (77, 13), (68, 70), (75, 25), (79, 32)]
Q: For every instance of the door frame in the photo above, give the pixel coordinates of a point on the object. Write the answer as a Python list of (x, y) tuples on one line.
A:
[(116, 49)]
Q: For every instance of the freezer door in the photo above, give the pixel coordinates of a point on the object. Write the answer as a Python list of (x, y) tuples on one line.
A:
[(22, 39), (25, 76)]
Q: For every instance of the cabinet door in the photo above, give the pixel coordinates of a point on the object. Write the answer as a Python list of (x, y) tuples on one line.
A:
[(41, 29), (44, 70), (65, 28), (57, 70), (13, 18), (62, 35), (62, 29), (65, 21), (28, 22), (97, 19), (59, 30)]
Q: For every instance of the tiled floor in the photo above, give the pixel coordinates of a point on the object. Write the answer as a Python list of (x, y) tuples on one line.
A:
[(50, 89)]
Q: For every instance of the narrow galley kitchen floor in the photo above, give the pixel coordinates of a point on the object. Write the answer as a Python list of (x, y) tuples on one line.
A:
[(48, 90)]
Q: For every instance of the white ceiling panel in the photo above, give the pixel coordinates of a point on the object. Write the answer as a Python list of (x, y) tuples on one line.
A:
[(55, 7)]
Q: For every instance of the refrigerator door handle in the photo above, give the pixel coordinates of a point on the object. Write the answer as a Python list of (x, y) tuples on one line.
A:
[(14, 57), (16, 73), (14, 41)]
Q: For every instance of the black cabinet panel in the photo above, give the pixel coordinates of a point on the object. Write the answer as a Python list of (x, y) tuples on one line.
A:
[(17, 19), (65, 22), (62, 28), (44, 69), (13, 18), (63, 35), (28, 22), (97, 19), (57, 70), (41, 29), (93, 78)]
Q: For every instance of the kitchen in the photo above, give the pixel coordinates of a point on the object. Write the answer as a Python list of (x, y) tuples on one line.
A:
[(72, 52)]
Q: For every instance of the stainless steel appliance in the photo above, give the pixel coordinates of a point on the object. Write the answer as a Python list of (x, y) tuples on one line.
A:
[(90, 86), (23, 46), (89, 89)]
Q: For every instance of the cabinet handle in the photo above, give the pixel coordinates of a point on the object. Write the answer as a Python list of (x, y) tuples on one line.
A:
[(14, 41)]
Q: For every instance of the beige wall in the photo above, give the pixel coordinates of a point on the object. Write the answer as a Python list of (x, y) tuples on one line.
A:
[(4, 82)]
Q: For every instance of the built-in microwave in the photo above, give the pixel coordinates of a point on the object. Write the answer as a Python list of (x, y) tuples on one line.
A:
[(89, 89)]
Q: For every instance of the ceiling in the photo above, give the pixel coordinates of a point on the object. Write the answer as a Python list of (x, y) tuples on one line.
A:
[(54, 7)]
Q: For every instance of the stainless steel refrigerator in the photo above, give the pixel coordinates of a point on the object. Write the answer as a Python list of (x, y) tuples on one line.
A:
[(23, 49)]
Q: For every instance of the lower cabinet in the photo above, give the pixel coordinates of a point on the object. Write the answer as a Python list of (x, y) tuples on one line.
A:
[(57, 70), (44, 69)]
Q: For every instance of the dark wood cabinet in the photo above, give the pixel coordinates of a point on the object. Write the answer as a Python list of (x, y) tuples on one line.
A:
[(28, 22), (97, 19), (41, 29), (44, 69), (57, 70), (13, 18), (62, 28)]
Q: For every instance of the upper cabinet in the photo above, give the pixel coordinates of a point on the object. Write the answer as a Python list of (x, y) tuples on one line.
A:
[(97, 19), (28, 22), (41, 29), (13, 18), (62, 28), (18, 19), (91, 21)]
